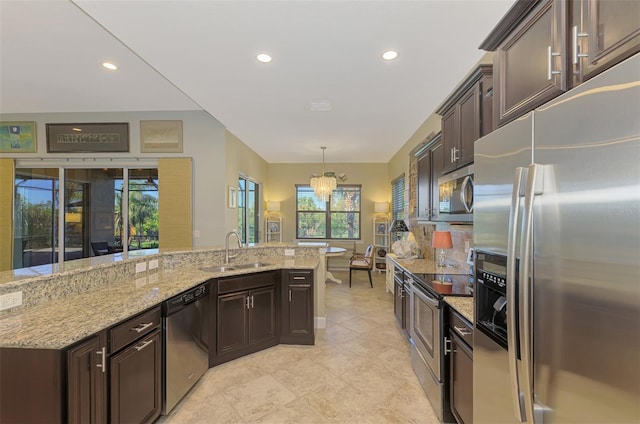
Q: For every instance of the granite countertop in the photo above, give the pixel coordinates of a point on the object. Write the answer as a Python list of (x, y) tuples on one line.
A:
[(60, 323), (427, 266), (464, 305)]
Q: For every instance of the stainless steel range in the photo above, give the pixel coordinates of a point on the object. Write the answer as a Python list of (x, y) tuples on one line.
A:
[(428, 339)]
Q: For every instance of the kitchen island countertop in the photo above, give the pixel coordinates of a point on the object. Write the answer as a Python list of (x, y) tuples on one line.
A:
[(62, 322)]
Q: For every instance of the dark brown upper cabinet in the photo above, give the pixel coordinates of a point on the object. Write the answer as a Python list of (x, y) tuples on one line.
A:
[(464, 118), (429, 161), (545, 47), (530, 61), (602, 34)]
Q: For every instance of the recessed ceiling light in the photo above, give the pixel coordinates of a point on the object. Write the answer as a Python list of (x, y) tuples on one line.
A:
[(264, 58), (320, 106), (109, 65), (389, 55)]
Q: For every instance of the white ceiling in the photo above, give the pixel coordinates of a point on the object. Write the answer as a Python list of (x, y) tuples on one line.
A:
[(187, 55)]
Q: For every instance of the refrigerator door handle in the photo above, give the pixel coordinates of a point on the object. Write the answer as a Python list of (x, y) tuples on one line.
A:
[(534, 187), (519, 182)]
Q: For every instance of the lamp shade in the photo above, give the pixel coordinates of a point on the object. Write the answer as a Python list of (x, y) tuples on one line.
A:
[(442, 240), (273, 206), (398, 226), (381, 207)]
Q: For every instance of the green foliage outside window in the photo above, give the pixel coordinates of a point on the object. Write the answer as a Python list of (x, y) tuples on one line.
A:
[(339, 218)]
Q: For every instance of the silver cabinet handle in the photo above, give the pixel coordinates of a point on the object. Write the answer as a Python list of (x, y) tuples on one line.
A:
[(143, 326), (447, 346), (455, 154), (462, 331), (289, 295), (143, 345), (574, 35), (246, 301), (550, 56), (103, 361), (251, 301), (299, 278)]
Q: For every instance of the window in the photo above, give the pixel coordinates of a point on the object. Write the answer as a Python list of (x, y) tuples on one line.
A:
[(248, 211), (397, 198), (338, 218)]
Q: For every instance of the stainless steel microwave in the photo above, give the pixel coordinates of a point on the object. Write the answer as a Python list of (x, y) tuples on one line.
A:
[(456, 195)]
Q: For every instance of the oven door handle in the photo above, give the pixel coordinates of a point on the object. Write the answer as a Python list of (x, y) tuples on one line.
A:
[(425, 296)]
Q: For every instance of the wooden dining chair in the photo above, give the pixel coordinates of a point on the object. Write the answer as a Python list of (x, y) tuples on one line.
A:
[(362, 262)]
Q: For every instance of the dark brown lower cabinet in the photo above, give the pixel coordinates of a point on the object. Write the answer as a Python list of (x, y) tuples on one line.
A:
[(55, 386), (136, 381), (461, 368), (86, 386), (245, 320), (297, 307)]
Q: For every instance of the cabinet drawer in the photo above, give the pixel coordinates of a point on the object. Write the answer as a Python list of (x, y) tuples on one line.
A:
[(246, 282), (461, 327), (299, 277), (133, 328)]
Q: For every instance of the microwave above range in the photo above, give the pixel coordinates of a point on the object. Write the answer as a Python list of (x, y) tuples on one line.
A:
[(456, 195)]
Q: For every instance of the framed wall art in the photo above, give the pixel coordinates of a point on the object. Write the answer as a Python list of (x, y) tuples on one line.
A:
[(18, 137), (94, 138), (161, 136)]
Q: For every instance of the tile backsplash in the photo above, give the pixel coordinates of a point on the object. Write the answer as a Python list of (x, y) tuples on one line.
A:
[(461, 235)]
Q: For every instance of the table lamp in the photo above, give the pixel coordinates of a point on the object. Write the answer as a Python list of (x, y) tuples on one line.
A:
[(441, 240)]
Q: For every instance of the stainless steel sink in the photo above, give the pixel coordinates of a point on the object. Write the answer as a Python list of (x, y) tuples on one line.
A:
[(231, 267), (252, 265), (218, 268)]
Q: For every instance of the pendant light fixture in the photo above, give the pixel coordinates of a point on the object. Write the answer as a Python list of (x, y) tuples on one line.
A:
[(323, 185)]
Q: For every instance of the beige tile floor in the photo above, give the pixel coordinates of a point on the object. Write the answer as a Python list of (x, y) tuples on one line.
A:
[(358, 371)]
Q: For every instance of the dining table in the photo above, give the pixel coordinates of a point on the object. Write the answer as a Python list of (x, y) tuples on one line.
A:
[(333, 252)]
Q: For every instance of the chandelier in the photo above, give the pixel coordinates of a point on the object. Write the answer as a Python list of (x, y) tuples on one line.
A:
[(323, 185)]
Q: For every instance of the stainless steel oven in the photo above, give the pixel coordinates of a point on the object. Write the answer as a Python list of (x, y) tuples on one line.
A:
[(426, 327), (427, 343)]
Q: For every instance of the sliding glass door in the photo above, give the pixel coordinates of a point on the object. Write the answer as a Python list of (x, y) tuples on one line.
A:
[(102, 211)]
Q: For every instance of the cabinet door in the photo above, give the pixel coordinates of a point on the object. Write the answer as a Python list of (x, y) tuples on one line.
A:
[(450, 139), (603, 33), (406, 308), (86, 387), (469, 125), (232, 324), (531, 63), (461, 380), (424, 186), (300, 310), (262, 321), (136, 381), (398, 296), (437, 157)]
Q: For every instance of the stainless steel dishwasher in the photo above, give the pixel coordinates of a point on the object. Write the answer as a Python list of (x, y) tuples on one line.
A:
[(185, 324)]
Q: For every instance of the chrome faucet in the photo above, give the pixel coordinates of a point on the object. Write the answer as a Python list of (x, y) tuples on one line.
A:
[(227, 257)]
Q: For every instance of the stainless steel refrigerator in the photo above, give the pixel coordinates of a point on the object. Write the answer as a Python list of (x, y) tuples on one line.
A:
[(557, 240)]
